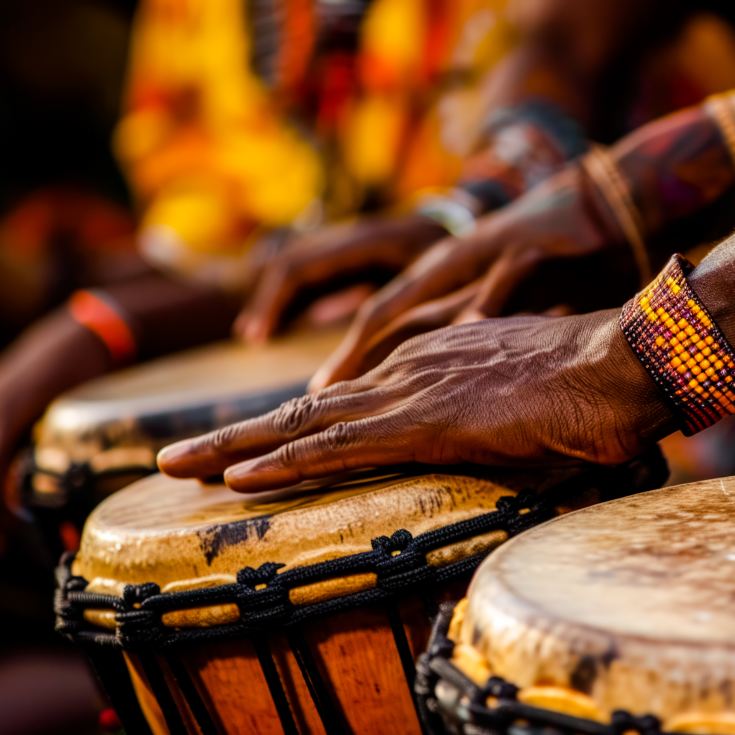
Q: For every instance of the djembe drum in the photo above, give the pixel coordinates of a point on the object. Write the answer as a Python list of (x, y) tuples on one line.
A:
[(204, 614), (617, 618), (105, 434)]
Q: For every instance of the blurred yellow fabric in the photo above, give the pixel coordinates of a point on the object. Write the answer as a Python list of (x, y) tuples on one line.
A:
[(217, 152)]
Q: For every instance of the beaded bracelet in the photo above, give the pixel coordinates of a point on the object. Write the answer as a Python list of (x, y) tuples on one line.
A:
[(603, 171), (92, 311), (678, 342)]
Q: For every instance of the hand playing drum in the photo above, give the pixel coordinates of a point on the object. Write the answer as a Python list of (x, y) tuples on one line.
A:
[(302, 615), (579, 239), (528, 389)]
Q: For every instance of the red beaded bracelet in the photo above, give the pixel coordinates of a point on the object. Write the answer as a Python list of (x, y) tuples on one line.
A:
[(680, 345)]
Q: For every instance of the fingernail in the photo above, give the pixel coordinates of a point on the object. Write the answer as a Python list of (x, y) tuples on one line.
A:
[(469, 316), (318, 380), (169, 456), (324, 376), (256, 331), (250, 331), (236, 474)]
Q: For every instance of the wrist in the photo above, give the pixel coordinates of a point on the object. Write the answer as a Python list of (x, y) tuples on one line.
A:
[(424, 228), (712, 281), (526, 144), (449, 214), (623, 386)]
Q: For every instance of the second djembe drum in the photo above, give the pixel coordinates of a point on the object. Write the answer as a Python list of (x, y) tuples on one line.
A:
[(204, 614), (618, 618), (105, 434)]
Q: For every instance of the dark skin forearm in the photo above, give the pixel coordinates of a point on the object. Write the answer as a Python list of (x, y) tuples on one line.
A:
[(713, 280), (675, 167), (548, 110), (58, 353)]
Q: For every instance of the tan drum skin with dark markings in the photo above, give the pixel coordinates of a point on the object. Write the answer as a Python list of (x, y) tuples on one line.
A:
[(624, 605)]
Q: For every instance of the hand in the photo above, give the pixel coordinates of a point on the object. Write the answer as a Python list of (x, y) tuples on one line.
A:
[(507, 250), (318, 260), (519, 390)]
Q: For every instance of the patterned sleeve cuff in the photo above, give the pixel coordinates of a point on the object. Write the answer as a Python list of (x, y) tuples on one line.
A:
[(678, 342)]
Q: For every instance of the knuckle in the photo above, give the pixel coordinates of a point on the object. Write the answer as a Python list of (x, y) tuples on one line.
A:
[(292, 416), (339, 436), (288, 454), (223, 438)]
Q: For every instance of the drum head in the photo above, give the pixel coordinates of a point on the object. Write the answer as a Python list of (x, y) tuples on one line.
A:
[(176, 532), (121, 420), (629, 603), (181, 535)]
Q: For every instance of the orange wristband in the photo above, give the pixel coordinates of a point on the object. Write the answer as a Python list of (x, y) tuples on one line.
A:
[(95, 314)]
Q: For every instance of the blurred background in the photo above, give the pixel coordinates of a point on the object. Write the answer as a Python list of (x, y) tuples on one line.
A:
[(170, 136)]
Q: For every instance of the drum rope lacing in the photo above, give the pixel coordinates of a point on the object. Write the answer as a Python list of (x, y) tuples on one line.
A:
[(472, 715), (261, 594)]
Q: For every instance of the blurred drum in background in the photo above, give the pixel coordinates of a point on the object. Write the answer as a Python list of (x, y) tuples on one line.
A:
[(616, 618), (103, 435), (204, 612)]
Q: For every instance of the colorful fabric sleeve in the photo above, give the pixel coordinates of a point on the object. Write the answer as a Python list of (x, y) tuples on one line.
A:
[(678, 342)]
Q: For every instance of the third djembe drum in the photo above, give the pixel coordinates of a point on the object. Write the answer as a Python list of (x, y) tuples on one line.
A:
[(617, 618), (204, 614)]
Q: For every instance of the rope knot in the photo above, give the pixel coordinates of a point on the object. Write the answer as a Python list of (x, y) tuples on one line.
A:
[(250, 577), (77, 479), (134, 595), (387, 545), (622, 722), (498, 688)]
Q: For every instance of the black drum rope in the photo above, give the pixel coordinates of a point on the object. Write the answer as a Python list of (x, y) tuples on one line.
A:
[(262, 595), (463, 708)]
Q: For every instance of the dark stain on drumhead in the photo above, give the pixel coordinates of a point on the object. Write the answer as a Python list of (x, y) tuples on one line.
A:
[(215, 539), (585, 672)]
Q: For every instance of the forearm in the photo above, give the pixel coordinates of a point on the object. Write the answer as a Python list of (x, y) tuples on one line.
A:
[(676, 166), (53, 355), (134, 321), (714, 282), (537, 121), (554, 93), (623, 198)]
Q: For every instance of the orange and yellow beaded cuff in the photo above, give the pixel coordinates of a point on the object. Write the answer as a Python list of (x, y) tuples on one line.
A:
[(95, 313), (680, 345)]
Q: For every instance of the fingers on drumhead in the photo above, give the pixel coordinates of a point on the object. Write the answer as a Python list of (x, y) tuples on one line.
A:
[(213, 452), (345, 445)]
